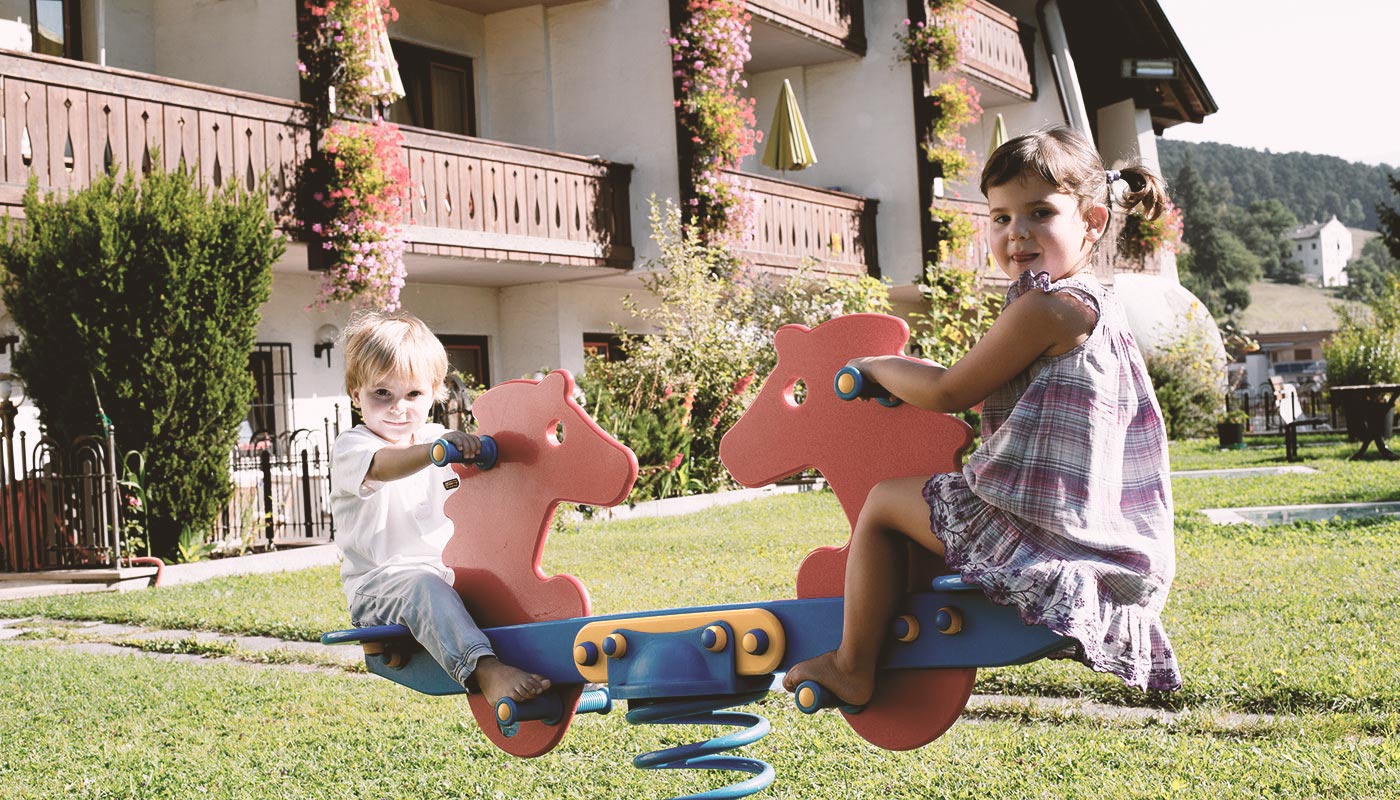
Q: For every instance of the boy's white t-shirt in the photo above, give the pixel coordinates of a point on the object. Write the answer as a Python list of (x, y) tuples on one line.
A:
[(381, 524)]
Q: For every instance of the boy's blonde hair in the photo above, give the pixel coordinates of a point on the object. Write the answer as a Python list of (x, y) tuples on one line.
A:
[(379, 344)]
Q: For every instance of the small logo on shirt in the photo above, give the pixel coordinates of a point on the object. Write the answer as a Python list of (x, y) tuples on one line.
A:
[(452, 483)]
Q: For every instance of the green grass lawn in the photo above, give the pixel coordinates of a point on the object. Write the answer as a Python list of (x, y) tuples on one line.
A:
[(1293, 620)]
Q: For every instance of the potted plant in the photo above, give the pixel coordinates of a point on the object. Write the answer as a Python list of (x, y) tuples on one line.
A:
[(1362, 353), (1230, 429)]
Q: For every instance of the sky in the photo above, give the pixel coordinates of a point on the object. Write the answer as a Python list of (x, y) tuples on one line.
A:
[(1289, 75)]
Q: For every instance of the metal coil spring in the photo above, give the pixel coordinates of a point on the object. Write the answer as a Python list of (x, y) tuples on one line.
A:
[(702, 755)]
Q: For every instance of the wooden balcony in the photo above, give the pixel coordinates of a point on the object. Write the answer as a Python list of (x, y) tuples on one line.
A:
[(995, 55), (66, 122), (789, 33), (833, 231), (474, 198)]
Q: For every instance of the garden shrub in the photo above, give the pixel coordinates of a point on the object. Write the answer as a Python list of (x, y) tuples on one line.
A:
[(684, 384), (1189, 381), (145, 295)]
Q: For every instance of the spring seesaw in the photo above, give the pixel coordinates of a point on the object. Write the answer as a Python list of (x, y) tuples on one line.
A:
[(693, 665)]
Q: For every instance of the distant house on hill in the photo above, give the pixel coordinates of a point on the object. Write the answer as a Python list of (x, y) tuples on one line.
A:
[(1323, 248)]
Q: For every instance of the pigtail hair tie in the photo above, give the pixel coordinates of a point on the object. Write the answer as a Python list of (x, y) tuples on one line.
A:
[(1112, 175)]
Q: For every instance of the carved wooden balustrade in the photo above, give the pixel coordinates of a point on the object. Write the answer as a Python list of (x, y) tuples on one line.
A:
[(66, 122), (993, 55), (475, 198), (837, 22), (833, 230)]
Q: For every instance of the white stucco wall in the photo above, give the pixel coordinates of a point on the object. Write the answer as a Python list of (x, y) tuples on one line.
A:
[(1126, 137), (128, 33), (441, 27), (248, 45), (592, 79)]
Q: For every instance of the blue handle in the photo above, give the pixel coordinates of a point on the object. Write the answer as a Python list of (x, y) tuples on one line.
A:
[(850, 384), (444, 452)]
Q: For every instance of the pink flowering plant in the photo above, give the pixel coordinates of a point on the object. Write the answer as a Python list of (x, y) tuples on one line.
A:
[(359, 187), (1143, 237), (708, 52), (352, 191), (341, 54), (936, 42)]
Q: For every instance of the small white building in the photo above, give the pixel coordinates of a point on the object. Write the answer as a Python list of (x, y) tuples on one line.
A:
[(1323, 248)]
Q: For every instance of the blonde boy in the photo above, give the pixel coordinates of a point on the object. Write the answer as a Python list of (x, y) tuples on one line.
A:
[(388, 503)]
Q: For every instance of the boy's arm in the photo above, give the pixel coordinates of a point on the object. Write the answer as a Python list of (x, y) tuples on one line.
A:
[(392, 463)]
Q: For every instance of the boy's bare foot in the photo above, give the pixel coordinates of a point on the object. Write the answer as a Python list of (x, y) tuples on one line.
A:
[(826, 669), (498, 680)]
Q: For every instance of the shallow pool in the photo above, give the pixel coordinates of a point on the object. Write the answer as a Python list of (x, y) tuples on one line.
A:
[(1282, 515)]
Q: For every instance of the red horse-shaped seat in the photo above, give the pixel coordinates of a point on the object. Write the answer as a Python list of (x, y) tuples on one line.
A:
[(855, 445), (550, 451)]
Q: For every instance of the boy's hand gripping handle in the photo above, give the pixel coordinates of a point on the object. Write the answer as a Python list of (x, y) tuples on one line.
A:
[(444, 452), (850, 384)]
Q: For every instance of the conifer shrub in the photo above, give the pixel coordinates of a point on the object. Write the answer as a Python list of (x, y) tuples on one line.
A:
[(144, 295)]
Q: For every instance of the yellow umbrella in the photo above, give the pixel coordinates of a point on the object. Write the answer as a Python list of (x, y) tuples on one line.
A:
[(789, 147), (999, 136)]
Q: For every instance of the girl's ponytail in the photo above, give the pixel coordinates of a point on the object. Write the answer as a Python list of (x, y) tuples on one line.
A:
[(1145, 188)]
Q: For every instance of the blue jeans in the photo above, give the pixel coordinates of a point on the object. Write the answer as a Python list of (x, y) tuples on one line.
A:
[(418, 598)]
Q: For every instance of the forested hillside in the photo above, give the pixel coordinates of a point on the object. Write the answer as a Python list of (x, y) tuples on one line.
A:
[(1313, 187)]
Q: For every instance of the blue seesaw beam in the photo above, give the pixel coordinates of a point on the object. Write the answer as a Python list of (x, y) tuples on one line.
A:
[(952, 626)]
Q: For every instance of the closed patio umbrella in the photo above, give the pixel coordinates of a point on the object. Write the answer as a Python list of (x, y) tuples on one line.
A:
[(385, 84), (999, 136), (788, 147)]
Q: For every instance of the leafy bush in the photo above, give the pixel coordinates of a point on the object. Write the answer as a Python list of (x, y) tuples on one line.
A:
[(145, 295), (684, 385), (1366, 347), (1189, 382), (960, 310)]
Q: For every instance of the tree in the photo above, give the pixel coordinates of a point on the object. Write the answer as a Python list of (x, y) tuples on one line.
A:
[(1261, 228), (1216, 266), (1367, 274), (1390, 220), (146, 296)]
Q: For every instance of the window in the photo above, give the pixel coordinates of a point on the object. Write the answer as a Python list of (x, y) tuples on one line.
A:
[(1302, 354), (438, 90), (270, 412), (467, 355), (606, 346), (1314, 245), (52, 26)]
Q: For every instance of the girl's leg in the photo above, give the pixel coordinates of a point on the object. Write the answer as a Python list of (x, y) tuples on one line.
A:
[(894, 512), (419, 599)]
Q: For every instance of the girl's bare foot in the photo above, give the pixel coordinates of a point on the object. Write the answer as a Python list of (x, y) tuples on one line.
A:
[(498, 680), (849, 683)]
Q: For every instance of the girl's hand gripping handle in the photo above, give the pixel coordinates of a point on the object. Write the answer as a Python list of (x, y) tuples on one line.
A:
[(444, 452), (850, 384)]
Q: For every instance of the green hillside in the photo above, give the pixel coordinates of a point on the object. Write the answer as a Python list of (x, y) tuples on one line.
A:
[(1313, 187)]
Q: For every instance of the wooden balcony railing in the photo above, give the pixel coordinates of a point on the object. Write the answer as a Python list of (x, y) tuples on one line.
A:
[(837, 22), (994, 53), (833, 231), (66, 122), (475, 198)]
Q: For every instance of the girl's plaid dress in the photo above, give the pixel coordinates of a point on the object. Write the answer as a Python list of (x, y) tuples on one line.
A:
[(1065, 510)]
